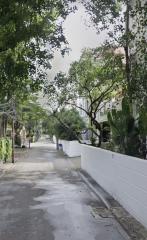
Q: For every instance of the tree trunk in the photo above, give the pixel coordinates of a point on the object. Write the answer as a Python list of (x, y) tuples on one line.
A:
[(3, 125), (127, 53), (57, 143), (99, 128)]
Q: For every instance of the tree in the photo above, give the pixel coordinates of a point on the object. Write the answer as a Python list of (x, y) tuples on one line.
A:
[(30, 112), (95, 77), (125, 132), (29, 31), (30, 115), (125, 23), (66, 124)]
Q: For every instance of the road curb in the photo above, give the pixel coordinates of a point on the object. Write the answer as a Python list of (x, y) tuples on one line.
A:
[(107, 205), (130, 227), (103, 199)]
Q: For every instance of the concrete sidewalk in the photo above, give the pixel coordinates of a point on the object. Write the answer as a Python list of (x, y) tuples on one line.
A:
[(43, 197)]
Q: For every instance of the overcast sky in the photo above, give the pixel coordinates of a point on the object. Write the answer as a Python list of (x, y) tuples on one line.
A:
[(79, 36)]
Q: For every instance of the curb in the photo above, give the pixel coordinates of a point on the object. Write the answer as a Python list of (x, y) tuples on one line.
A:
[(129, 226), (106, 203), (98, 194)]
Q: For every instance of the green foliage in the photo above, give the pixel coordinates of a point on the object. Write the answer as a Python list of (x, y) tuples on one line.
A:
[(30, 114), (2, 149), (125, 23), (108, 146), (49, 125), (69, 125), (143, 121), (93, 141), (125, 133), (98, 70), (96, 77), (103, 12), (29, 30), (5, 149), (8, 149)]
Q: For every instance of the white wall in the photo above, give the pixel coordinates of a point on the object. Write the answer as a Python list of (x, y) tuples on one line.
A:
[(71, 148), (124, 177)]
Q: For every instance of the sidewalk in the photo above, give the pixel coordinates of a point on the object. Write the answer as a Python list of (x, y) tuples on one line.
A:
[(42, 164), (8, 166), (134, 229), (43, 197)]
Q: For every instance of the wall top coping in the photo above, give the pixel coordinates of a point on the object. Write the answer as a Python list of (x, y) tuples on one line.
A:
[(68, 141), (114, 153)]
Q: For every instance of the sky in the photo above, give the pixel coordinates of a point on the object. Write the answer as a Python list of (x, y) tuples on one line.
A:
[(79, 36)]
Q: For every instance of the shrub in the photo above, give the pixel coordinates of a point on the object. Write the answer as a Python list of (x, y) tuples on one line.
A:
[(5, 149)]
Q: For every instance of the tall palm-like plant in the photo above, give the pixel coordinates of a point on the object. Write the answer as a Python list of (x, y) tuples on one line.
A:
[(125, 133), (143, 130)]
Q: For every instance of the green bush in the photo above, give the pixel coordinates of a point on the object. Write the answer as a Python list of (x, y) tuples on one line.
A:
[(5, 149), (8, 148), (109, 146), (2, 149)]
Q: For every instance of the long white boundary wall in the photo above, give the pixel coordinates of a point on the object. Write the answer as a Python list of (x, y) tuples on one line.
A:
[(124, 177), (71, 148)]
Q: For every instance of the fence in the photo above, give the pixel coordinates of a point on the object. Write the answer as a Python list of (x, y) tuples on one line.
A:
[(124, 177)]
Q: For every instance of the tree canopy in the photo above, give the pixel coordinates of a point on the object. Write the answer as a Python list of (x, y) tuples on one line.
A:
[(125, 23), (66, 124), (29, 30), (96, 77)]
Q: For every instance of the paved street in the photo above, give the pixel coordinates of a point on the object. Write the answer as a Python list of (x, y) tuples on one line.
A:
[(43, 198)]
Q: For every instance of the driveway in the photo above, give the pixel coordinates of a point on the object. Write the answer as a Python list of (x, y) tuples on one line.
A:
[(43, 198)]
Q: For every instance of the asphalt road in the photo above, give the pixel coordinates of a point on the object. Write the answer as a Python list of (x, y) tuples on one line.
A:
[(43, 198)]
